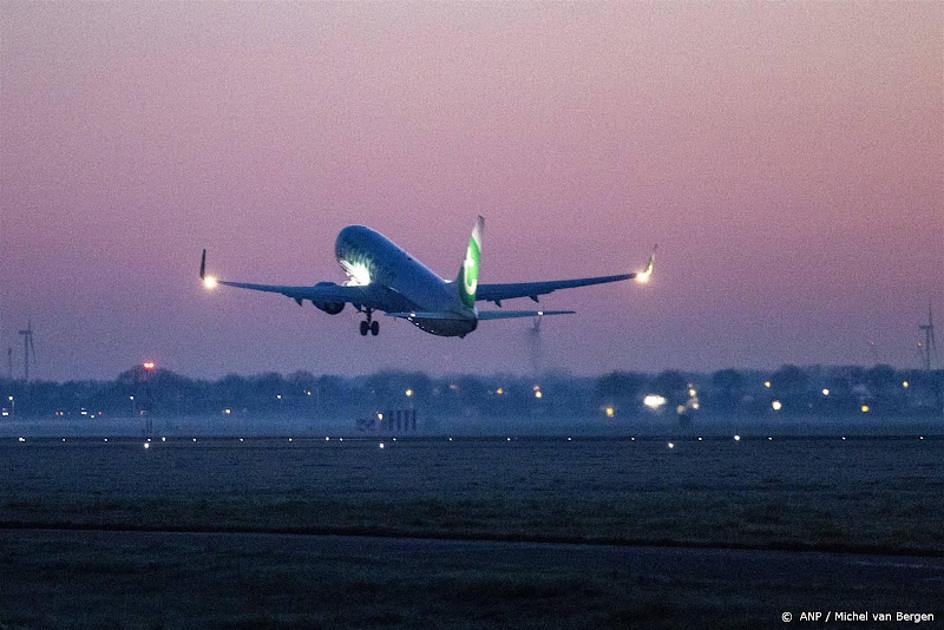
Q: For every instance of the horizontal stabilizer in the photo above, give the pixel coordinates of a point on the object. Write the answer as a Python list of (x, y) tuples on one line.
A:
[(483, 315), (442, 315)]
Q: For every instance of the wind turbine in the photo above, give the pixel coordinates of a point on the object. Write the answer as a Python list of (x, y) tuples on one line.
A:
[(535, 343), (930, 344), (28, 347)]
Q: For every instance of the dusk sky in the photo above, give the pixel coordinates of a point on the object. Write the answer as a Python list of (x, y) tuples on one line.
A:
[(788, 158)]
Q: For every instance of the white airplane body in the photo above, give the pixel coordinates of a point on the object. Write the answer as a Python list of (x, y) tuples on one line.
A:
[(384, 277)]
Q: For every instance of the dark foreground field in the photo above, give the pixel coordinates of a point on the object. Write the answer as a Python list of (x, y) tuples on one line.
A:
[(859, 496), (154, 580)]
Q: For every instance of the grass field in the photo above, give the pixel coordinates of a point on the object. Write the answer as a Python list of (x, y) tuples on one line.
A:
[(195, 561), (860, 495)]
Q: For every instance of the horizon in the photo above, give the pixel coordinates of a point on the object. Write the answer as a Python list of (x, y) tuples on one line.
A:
[(551, 373)]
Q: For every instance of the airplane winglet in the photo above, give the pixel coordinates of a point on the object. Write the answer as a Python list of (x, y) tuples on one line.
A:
[(645, 275), (209, 282)]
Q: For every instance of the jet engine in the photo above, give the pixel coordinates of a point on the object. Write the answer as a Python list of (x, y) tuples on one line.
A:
[(331, 308)]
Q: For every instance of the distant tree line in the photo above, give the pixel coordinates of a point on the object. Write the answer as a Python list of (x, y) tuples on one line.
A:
[(789, 391)]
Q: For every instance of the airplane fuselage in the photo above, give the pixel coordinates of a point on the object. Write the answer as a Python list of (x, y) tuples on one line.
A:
[(370, 259)]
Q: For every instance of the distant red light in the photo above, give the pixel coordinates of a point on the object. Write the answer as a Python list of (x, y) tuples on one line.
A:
[(149, 365)]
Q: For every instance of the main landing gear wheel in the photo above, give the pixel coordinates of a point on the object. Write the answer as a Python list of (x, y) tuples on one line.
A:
[(369, 325)]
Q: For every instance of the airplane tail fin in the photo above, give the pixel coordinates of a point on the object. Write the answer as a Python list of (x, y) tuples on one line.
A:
[(468, 279)]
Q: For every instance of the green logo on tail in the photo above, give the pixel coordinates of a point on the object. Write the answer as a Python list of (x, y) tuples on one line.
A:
[(469, 274)]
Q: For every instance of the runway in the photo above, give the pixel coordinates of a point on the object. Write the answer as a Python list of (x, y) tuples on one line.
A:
[(172, 579)]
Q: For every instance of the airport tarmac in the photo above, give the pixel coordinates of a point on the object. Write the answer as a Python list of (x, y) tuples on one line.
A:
[(169, 579)]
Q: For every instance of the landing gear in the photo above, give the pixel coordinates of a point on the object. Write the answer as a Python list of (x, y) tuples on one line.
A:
[(370, 325)]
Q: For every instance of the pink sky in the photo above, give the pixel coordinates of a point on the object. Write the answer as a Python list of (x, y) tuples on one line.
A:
[(788, 159)]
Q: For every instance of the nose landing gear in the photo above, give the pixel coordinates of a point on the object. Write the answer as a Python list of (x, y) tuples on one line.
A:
[(370, 325)]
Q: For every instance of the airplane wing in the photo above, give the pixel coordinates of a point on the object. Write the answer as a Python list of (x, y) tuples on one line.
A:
[(498, 292), (321, 293)]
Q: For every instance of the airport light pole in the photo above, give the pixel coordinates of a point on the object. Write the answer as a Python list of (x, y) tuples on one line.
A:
[(149, 367), (12, 405), (410, 410)]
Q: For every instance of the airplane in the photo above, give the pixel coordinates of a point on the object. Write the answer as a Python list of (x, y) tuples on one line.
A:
[(382, 276)]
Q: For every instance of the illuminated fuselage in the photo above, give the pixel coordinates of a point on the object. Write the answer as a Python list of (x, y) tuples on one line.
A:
[(370, 259)]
